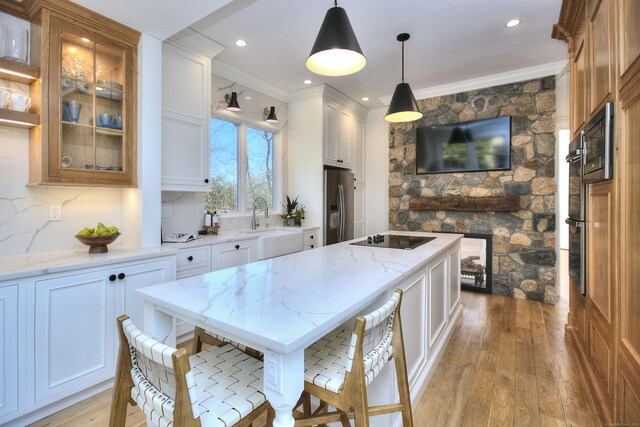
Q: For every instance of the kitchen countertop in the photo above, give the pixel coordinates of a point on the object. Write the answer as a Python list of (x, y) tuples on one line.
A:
[(289, 299), (28, 265)]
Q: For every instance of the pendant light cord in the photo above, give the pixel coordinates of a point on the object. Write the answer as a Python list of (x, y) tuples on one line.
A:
[(335, 3), (402, 62)]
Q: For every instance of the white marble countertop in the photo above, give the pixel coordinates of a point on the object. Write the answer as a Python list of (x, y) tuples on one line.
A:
[(288, 302), (21, 266)]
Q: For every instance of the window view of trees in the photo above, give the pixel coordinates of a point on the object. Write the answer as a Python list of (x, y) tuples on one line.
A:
[(259, 166), (227, 140)]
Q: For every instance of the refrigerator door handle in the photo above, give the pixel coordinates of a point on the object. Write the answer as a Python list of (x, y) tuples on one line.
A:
[(340, 213)]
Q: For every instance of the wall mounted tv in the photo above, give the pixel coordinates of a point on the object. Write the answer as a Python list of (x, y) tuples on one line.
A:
[(480, 145)]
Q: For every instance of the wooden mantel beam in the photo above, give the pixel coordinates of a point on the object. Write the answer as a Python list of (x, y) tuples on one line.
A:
[(462, 203)]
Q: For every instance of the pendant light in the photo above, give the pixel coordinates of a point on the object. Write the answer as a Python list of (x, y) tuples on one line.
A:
[(232, 102), (403, 106), (336, 51), (271, 117)]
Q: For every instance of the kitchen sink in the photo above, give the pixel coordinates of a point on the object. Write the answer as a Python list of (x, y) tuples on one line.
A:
[(273, 242)]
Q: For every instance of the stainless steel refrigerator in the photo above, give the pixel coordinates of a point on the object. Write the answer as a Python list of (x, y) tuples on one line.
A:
[(338, 206)]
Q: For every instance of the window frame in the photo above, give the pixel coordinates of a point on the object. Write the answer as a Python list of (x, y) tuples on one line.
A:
[(241, 189)]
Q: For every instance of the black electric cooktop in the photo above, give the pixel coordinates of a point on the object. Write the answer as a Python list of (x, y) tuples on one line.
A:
[(393, 241)]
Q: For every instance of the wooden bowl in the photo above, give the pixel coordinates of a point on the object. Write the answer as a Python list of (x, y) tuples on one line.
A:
[(98, 244)]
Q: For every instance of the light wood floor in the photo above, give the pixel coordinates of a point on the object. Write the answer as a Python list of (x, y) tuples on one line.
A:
[(507, 364)]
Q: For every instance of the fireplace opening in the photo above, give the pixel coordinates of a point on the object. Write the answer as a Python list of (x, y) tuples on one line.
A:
[(476, 262)]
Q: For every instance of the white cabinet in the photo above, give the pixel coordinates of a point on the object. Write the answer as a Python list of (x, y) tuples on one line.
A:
[(454, 280), (413, 313), (311, 239), (186, 111), (75, 335), (8, 349), (232, 254), (358, 211), (438, 287), (193, 261), (358, 150), (338, 136)]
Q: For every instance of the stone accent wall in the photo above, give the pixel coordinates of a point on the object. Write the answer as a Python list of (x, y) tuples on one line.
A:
[(524, 242)]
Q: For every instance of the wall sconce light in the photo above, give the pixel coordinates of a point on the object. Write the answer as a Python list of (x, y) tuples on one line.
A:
[(232, 102), (271, 114)]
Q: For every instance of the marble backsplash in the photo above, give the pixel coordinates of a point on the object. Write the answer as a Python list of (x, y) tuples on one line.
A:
[(24, 211), (187, 214)]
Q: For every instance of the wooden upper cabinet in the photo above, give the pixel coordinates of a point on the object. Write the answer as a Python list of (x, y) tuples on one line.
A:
[(87, 99), (629, 34), (579, 86), (600, 43)]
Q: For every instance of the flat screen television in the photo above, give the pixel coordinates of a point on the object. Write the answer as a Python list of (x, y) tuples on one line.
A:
[(480, 145)]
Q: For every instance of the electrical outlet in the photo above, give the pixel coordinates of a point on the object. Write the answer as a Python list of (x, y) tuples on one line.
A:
[(166, 211), (55, 213), (272, 371)]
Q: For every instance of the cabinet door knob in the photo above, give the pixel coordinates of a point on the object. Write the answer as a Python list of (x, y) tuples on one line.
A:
[(311, 246), (206, 181), (121, 276), (112, 278), (189, 258), (311, 237), (237, 246)]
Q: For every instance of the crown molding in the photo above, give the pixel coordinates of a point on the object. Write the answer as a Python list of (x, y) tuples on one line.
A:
[(235, 75), (487, 81), (195, 42)]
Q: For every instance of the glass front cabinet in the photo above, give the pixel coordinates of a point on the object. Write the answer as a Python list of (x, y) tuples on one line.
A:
[(88, 131)]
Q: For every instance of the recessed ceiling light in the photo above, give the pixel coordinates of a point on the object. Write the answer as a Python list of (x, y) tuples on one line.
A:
[(307, 82), (241, 43), (248, 98), (84, 39), (365, 98), (512, 23)]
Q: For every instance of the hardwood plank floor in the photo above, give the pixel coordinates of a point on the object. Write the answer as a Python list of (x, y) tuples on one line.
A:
[(507, 364)]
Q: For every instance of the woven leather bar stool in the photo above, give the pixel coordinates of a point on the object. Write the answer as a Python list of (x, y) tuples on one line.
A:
[(340, 365), (219, 387), (202, 336)]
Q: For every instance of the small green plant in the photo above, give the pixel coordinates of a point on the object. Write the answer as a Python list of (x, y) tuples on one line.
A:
[(293, 208)]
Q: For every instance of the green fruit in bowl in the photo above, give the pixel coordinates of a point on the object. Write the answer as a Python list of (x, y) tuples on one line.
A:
[(113, 229), (84, 232), (101, 228)]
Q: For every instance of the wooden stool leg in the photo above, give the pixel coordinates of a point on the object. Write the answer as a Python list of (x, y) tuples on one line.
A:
[(306, 404), (401, 371), (361, 408), (123, 382), (197, 340), (271, 415)]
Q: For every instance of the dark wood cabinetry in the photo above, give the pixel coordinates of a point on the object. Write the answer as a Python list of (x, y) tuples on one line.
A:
[(603, 39)]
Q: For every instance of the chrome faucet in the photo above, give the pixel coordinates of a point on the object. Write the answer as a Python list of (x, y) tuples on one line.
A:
[(254, 221)]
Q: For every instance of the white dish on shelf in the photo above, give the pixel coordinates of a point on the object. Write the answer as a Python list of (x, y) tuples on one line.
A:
[(108, 94)]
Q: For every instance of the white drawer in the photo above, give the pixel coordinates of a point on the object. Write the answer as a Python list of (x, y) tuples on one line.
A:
[(310, 237), (308, 246), (192, 258), (181, 274)]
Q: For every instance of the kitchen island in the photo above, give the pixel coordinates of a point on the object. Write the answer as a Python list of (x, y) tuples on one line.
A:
[(282, 305)]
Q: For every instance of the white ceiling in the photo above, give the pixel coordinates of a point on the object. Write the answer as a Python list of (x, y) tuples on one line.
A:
[(451, 41)]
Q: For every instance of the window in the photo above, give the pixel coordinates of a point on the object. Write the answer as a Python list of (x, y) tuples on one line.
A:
[(242, 167)]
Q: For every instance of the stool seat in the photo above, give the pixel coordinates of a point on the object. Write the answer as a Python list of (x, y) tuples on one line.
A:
[(326, 361)]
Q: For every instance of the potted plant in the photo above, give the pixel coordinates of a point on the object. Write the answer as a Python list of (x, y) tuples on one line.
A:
[(294, 212)]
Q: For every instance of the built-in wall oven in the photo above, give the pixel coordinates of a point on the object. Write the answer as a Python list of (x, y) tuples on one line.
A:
[(577, 212), (598, 146)]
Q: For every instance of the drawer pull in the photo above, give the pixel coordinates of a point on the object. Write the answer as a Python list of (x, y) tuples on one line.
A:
[(112, 278), (311, 237), (189, 258), (311, 246), (206, 181), (237, 246), (121, 276)]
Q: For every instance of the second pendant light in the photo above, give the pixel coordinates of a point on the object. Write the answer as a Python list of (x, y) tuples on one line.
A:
[(403, 106)]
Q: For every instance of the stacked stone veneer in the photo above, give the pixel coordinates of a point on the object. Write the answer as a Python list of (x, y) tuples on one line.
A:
[(524, 242)]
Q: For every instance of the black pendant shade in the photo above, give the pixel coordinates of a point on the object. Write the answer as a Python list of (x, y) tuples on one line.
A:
[(403, 106), (271, 118), (336, 51), (233, 102)]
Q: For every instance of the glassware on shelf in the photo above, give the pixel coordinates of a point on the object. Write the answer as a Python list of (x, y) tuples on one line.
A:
[(16, 42)]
